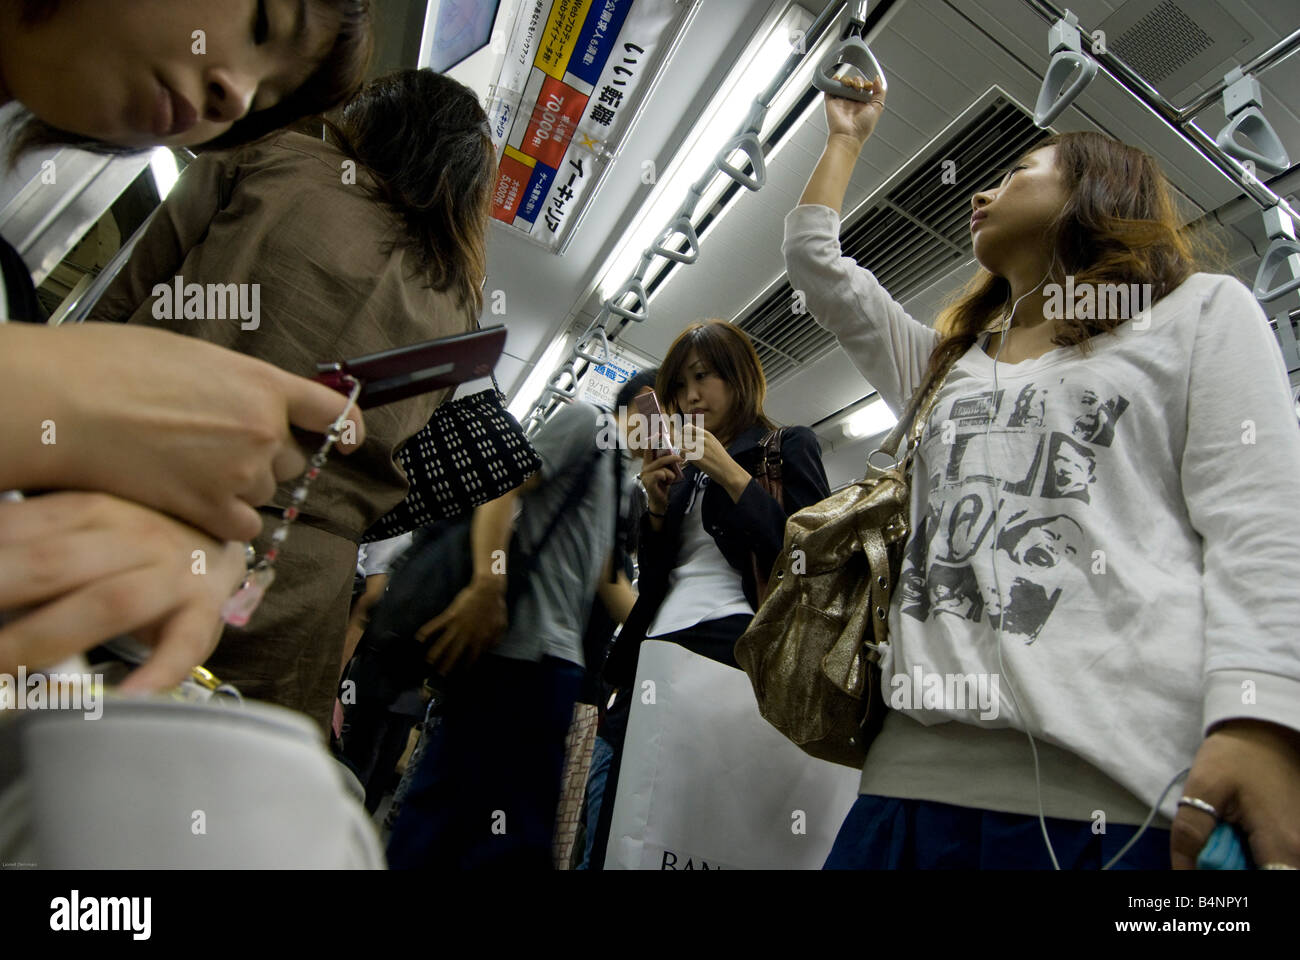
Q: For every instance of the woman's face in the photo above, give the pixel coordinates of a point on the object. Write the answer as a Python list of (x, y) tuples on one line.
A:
[(1017, 213), (174, 72), (701, 391)]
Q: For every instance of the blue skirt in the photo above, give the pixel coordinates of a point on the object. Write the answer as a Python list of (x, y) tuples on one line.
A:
[(889, 833)]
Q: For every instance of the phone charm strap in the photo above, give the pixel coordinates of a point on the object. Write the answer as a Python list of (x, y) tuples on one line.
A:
[(239, 608)]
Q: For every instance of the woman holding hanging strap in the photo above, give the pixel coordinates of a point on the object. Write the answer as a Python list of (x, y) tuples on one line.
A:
[(702, 537), (1104, 544), (180, 439)]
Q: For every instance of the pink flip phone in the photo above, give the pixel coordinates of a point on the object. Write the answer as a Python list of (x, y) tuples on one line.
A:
[(647, 404)]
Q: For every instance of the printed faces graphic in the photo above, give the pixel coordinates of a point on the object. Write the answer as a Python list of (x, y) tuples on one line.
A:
[(1047, 444)]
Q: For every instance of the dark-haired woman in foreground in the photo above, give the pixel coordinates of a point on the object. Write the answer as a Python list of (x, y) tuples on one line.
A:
[(164, 444), (372, 239), (1103, 528)]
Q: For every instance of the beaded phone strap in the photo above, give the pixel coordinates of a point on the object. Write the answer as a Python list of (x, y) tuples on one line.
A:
[(239, 608)]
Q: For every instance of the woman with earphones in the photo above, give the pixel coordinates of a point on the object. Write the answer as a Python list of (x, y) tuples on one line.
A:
[(1104, 545)]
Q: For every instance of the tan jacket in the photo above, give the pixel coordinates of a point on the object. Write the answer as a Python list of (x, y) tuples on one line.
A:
[(330, 285), (280, 215)]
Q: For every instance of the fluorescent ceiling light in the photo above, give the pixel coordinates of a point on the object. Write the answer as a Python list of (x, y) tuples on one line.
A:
[(162, 164), (872, 419), (537, 380), (717, 124)]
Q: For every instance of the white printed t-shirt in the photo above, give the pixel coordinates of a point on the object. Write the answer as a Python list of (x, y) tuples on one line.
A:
[(1147, 547)]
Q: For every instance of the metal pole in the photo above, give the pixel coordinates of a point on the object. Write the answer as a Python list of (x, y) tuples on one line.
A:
[(1278, 52), (81, 307), (80, 310)]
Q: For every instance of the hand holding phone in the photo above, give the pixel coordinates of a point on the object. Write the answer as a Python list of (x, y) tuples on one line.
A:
[(647, 405)]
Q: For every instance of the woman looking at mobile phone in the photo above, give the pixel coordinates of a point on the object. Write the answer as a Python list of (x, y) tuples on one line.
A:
[(703, 534), (196, 432), (1094, 538), (372, 239), (703, 537)]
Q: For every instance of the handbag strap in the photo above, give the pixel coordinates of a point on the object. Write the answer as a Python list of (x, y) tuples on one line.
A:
[(917, 411), (768, 476), (768, 473), (881, 589), (571, 499)]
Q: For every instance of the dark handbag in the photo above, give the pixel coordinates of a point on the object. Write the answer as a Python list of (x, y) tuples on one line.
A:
[(437, 566), (471, 451), (813, 649), (768, 476)]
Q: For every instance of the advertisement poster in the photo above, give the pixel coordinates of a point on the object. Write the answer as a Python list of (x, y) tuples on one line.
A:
[(601, 383), (573, 76)]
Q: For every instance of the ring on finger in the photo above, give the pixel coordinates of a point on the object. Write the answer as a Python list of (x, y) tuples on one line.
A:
[(1198, 804)]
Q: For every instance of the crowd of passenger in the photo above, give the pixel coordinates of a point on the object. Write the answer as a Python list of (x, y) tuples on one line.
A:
[(1054, 442)]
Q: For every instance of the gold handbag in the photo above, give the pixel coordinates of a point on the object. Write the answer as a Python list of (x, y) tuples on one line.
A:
[(807, 651)]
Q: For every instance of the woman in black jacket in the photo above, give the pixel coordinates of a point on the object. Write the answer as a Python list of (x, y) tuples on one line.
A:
[(703, 535)]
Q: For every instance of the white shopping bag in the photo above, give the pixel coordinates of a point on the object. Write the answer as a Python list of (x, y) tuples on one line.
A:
[(707, 783)]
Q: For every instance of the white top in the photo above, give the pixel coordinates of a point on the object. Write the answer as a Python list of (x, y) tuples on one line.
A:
[(703, 586), (377, 557), (1148, 541)]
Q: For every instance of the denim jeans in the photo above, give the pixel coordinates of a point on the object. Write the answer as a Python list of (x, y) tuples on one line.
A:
[(890, 833), (602, 758), (488, 783)]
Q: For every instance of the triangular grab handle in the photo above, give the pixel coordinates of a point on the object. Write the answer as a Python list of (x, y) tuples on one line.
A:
[(637, 289), (597, 336), (1052, 98), (747, 142), (565, 393), (855, 52), (1275, 258), (683, 226), (1273, 159)]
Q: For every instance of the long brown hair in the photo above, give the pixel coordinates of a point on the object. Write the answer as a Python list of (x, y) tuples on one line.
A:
[(338, 76), (729, 352), (1119, 225), (424, 138)]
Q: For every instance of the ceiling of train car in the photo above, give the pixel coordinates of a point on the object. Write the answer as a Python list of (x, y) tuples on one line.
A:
[(997, 43)]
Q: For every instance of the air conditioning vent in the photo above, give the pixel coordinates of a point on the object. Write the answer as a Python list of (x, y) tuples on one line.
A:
[(909, 234), (1173, 43)]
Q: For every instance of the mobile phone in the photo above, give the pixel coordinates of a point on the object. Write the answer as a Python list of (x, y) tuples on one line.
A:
[(419, 368), (1225, 849), (647, 404)]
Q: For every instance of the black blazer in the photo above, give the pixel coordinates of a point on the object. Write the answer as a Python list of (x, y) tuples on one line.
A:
[(753, 525)]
